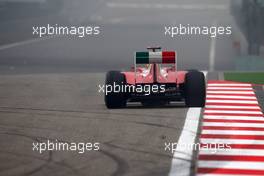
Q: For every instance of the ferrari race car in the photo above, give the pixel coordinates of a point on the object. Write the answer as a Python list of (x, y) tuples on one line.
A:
[(154, 80)]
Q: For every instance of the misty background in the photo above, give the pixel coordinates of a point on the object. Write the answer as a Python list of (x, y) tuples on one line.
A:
[(128, 26)]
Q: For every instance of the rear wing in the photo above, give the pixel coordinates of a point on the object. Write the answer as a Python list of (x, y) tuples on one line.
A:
[(152, 57), (161, 57)]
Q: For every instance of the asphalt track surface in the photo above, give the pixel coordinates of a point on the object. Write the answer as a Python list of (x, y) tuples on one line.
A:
[(67, 108), (64, 107), (49, 90)]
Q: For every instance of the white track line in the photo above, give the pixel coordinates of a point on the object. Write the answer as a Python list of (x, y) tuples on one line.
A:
[(246, 152), (233, 117), (228, 85), (182, 158), (229, 88), (231, 132), (231, 165), (231, 92), (230, 141), (163, 6), (233, 124), (232, 101), (233, 112), (238, 97), (181, 162), (26, 42), (233, 107), (212, 51)]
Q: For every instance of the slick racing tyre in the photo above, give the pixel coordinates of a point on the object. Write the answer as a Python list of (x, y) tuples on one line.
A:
[(115, 99), (194, 89)]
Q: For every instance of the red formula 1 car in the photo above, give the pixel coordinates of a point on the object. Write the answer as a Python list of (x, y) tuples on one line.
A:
[(154, 80)]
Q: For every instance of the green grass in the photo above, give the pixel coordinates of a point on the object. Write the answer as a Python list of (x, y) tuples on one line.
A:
[(249, 77)]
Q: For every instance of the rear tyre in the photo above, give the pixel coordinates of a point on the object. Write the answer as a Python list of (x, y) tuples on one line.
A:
[(115, 99), (194, 89)]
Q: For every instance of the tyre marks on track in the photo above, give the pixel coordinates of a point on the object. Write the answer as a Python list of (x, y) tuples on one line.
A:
[(232, 116)]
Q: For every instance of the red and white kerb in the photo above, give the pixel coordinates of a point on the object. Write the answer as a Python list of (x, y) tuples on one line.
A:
[(232, 116)]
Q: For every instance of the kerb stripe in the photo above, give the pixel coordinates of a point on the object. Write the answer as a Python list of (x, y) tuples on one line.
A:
[(232, 119)]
